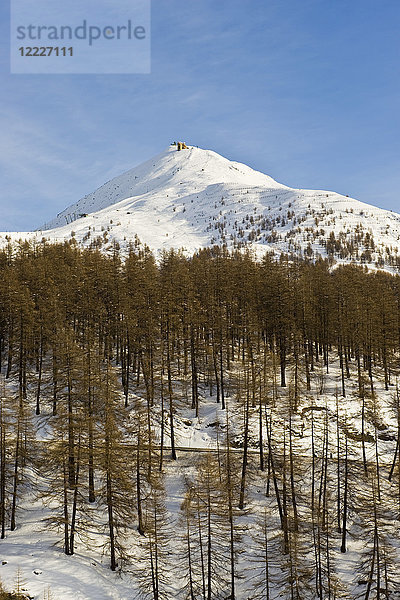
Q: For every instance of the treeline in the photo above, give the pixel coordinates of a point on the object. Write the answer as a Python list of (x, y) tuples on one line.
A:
[(108, 352)]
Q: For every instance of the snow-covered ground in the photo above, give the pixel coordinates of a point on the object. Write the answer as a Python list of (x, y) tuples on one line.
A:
[(35, 550)]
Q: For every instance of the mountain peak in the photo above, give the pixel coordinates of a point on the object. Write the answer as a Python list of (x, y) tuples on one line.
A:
[(193, 168), (191, 198)]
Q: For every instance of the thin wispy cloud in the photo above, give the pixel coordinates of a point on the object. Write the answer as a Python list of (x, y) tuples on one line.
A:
[(304, 91)]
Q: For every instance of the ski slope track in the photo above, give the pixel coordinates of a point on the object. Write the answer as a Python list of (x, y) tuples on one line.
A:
[(196, 198)]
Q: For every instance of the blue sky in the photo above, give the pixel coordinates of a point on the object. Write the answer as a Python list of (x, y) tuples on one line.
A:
[(307, 91)]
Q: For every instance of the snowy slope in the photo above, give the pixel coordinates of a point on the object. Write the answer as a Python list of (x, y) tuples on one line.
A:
[(196, 198)]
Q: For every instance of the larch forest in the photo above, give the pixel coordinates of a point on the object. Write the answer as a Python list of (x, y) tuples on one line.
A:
[(107, 358)]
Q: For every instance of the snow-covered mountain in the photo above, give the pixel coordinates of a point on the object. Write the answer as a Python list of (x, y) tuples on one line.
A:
[(194, 198)]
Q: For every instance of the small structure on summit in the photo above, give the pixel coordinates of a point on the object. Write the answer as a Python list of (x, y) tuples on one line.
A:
[(181, 146)]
